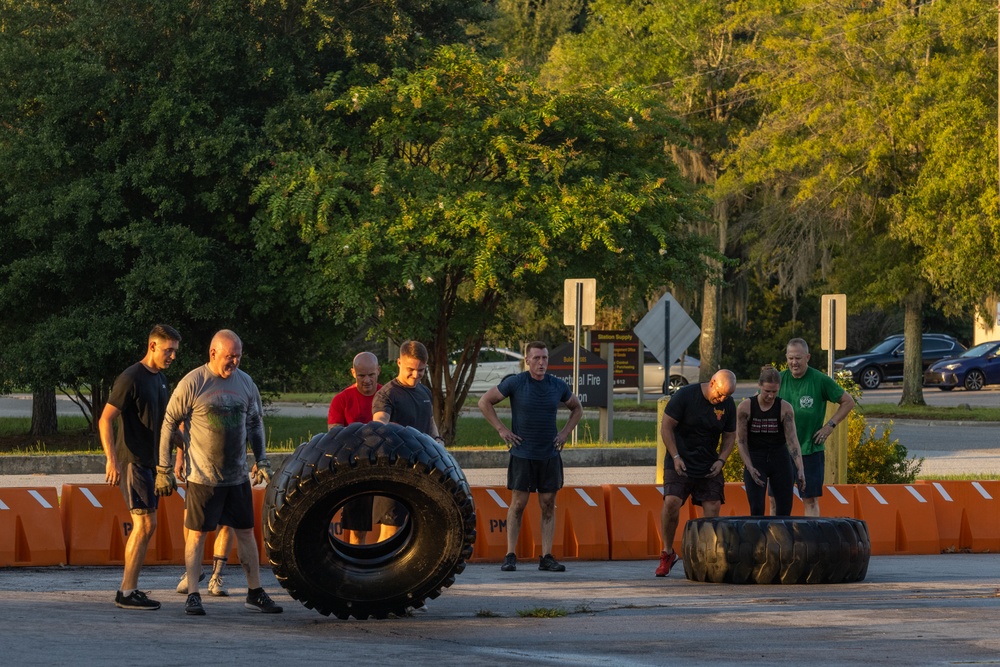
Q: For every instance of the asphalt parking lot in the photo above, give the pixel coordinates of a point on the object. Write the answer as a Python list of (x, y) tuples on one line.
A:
[(910, 610)]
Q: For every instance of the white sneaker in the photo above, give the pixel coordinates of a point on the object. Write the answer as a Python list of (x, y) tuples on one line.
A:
[(216, 587), (182, 585)]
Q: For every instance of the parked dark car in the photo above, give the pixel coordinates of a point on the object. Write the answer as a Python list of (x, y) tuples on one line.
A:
[(884, 361), (974, 368)]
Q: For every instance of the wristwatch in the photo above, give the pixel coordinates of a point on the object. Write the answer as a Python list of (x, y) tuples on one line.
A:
[(832, 424)]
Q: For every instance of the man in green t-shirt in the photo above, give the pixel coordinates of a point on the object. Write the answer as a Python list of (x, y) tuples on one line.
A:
[(809, 391)]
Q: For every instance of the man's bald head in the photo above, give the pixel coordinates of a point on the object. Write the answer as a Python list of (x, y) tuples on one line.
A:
[(225, 353), (720, 387), (365, 370)]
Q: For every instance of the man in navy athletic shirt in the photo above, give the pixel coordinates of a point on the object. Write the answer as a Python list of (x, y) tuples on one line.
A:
[(535, 446)]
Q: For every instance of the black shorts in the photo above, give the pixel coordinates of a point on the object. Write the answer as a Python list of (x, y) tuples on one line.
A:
[(209, 506), (701, 489), (814, 465), (357, 513), (534, 475), (139, 488)]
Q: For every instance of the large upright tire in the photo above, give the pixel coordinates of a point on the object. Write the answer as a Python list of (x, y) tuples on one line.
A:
[(776, 550), (334, 577)]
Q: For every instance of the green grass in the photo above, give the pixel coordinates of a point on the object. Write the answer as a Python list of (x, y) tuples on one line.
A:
[(620, 404), (287, 433), (893, 411)]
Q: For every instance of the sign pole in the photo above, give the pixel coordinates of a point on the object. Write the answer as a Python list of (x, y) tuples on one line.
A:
[(667, 359), (576, 345), (607, 415), (831, 349)]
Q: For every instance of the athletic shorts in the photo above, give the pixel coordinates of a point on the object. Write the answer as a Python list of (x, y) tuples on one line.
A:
[(813, 466), (357, 514), (209, 506), (701, 489), (139, 488), (535, 475)]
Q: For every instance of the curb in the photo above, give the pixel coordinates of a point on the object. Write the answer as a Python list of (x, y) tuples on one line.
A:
[(87, 464)]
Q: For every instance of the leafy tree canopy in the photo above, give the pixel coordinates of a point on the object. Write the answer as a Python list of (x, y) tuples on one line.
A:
[(431, 199)]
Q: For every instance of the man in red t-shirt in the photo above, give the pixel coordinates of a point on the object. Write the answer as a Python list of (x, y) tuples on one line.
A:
[(354, 404)]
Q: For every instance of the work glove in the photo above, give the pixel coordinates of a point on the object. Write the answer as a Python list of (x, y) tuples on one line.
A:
[(261, 473), (166, 482)]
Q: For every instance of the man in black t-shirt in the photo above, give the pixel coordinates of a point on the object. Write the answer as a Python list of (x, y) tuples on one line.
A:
[(139, 398), (406, 401), (696, 417)]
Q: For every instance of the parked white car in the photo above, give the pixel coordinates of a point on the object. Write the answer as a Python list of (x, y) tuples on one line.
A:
[(685, 371), (495, 363)]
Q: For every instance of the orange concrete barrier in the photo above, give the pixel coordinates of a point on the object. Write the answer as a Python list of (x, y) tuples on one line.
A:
[(170, 517), (737, 504), (581, 525), (837, 500), (968, 515), (492, 503), (96, 525), (169, 536), (634, 526), (736, 500), (633, 518), (901, 518), (31, 527)]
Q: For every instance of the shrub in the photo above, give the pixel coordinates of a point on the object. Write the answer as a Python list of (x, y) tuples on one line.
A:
[(872, 460)]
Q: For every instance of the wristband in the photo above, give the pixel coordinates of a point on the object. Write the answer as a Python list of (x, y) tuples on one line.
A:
[(721, 459), (677, 456)]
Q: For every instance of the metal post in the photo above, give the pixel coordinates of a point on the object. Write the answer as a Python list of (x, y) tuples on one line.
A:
[(667, 360), (607, 415), (578, 323), (831, 353), (641, 371)]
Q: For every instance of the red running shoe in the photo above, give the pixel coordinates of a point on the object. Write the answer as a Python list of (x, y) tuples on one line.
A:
[(667, 561)]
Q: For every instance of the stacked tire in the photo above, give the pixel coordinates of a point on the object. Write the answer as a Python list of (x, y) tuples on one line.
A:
[(776, 550), (375, 580)]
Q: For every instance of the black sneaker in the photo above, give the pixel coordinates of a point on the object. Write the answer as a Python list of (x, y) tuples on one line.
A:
[(135, 600), (258, 600), (193, 605), (550, 564), (509, 563)]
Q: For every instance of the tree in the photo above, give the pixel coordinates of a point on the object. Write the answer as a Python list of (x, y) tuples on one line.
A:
[(691, 53), (525, 30), (856, 100), (432, 199), (131, 137)]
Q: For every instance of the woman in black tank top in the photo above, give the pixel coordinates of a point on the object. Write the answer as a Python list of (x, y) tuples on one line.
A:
[(766, 440)]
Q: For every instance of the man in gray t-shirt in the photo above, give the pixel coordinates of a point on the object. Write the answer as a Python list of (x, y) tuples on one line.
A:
[(221, 408)]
